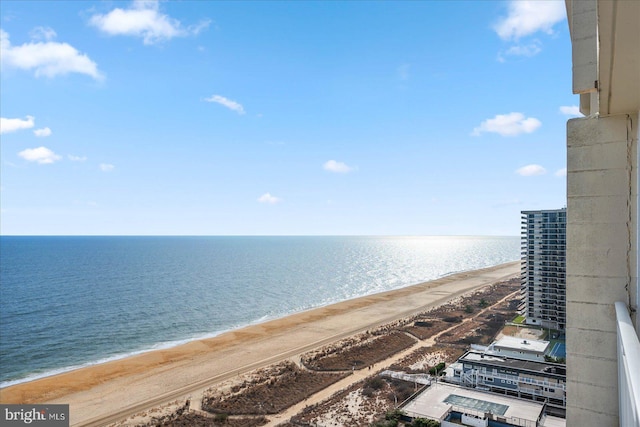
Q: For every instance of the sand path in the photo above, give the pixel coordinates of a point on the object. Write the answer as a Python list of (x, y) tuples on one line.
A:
[(365, 373), (112, 391)]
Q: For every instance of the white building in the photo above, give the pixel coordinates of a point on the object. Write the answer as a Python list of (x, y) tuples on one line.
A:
[(453, 406), (519, 348), (538, 381), (603, 365)]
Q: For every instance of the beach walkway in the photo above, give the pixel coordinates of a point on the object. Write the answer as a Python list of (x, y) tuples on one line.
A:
[(113, 391), (364, 373)]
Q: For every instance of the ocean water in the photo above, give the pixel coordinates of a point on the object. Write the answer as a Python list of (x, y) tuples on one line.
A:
[(67, 302)]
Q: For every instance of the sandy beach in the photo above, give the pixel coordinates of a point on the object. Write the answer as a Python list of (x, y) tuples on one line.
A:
[(109, 392)]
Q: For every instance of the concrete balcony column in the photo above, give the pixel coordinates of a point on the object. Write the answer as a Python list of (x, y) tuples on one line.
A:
[(601, 259)]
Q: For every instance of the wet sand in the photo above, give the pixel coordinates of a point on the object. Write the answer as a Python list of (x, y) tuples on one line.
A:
[(105, 393)]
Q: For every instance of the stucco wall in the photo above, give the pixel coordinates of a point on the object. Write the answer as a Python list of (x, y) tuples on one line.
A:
[(601, 258)]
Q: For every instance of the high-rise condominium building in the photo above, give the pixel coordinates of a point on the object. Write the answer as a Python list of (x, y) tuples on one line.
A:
[(544, 242)]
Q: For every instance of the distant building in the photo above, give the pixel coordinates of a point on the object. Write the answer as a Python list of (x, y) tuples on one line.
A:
[(519, 348), (453, 406), (536, 380), (544, 242), (516, 367)]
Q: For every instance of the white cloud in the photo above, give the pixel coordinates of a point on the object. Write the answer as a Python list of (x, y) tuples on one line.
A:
[(232, 105), (269, 199), (40, 155), (144, 19), (525, 50), (527, 17), (12, 125), (46, 58), (531, 170), (570, 110), (43, 33), (41, 133), (561, 172), (337, 167), (76, 158), (511, 124), (106, 167)]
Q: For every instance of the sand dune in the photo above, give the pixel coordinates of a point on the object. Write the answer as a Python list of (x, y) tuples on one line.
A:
[(111, 391)]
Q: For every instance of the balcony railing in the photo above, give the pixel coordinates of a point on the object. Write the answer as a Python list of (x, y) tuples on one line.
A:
[(628, 368)]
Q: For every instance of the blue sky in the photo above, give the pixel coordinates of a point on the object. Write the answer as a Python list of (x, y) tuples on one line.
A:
[(278, 118)]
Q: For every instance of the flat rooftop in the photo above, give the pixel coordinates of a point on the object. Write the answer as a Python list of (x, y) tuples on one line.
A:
[(550, 421), (432, 403), (525, 365), (521, 344)]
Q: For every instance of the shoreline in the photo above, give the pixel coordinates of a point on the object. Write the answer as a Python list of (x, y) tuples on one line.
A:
[(145, 379), (167, 345)]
